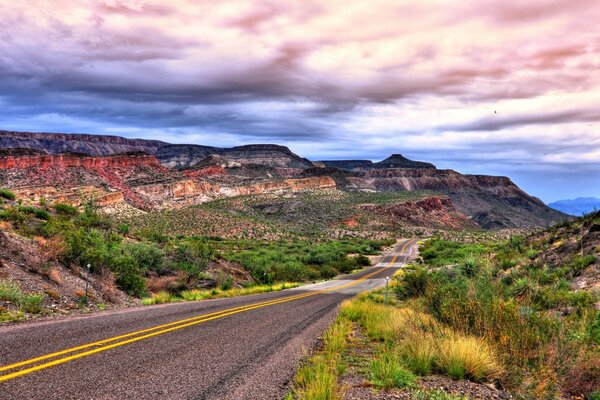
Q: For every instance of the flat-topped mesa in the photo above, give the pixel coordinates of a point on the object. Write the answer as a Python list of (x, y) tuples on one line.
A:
[(267, 155), (399, 161), (394, 161), (94, 145)]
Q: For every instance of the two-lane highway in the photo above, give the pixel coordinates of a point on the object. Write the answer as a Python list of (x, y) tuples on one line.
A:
[(238, 348)]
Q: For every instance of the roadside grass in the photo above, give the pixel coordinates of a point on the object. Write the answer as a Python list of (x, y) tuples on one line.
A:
[(317, 378), (195, 295), (421, 343), (387, 371), (502, 315), (398, 333), (11, 292)]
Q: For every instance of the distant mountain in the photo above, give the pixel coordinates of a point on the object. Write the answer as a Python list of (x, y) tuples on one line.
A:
[(150, 174), (393, 161), (578, 206)]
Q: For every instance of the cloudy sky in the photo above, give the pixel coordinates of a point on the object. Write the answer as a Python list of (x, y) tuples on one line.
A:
[(504, 87)]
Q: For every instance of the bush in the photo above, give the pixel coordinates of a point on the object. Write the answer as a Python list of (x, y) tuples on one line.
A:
[(37, 212), (148, 257), (65, 209), (388, 372), (129, 277), (413, 284), (7, 194)]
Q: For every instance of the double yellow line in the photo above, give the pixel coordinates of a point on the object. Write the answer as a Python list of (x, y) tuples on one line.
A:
[(121, 340)]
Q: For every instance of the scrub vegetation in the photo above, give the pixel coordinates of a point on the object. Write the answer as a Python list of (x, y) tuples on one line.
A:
[(168, 266), (510, 313)]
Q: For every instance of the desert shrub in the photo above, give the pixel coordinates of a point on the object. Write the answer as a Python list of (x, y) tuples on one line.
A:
[(437, 252), (412, 284), (65, 209), (469, 266), (14, 215), (36, 212), (148, 257), (362, 260), (192, 256), (123, 229), (580, 263), (227, 283), (129, 276), (7, 194)]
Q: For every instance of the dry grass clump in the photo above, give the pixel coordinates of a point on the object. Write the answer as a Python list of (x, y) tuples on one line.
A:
[(421, 343), (462, 357)]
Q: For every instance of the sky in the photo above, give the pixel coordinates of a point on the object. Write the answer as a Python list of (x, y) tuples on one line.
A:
[(504, 87)]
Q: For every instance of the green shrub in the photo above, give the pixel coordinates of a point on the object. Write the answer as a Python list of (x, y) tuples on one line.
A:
[(148, 257), (580, 263), (129, 277), (7, 194), (65, 209), (37, 212), (469, 267), (413, 283), (227, 283)]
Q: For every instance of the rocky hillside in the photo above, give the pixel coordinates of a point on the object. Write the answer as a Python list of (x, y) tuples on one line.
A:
[(493, 202)]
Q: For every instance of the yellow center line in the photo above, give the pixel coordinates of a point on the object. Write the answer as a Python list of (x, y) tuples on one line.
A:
[(170, 327)]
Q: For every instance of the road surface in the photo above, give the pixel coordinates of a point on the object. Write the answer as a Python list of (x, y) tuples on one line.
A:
[(238, 348)]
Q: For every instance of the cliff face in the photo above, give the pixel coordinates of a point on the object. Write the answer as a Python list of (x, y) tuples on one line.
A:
[(139, 180), (95, 145), (491, 201)]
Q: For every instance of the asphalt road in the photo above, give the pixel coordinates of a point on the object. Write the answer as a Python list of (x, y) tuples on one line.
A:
[(239, 348)]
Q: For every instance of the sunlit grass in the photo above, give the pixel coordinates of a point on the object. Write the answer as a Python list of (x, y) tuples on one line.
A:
[(195, 295)]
